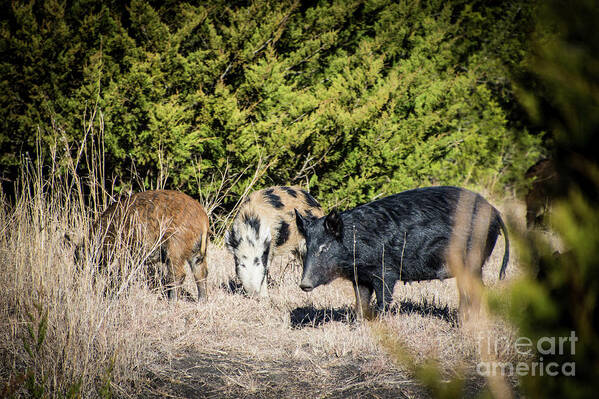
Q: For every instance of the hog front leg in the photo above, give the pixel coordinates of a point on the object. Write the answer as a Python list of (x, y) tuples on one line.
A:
[(363, 295)]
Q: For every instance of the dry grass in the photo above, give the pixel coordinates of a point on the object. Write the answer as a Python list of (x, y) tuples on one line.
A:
[(136, 343)]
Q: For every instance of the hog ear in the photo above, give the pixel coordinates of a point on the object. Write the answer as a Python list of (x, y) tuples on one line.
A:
[(300, 222), (333, 224), (231, 240)]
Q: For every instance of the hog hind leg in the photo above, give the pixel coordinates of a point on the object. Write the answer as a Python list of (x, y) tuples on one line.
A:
[(383, 289), (363, 294), (171, 282), (199, 270), (176, 271), (200, 274)]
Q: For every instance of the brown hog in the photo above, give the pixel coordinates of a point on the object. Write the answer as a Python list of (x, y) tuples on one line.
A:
[(170, 224)]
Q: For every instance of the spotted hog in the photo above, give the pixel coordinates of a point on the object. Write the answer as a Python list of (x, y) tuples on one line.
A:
[(403, 237), (170, 224), (264, 228)]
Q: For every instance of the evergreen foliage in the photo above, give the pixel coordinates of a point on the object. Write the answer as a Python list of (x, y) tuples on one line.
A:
[(355, 99)]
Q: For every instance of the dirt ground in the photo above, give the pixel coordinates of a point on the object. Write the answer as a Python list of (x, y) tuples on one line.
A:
[(236, 374)]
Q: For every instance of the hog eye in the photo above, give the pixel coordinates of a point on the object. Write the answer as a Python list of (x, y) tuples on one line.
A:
[(322, 248)]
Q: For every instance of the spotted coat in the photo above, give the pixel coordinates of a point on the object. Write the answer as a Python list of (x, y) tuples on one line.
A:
[(264, 228)]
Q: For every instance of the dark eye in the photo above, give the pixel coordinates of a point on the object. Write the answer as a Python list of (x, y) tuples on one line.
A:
[(238, 264), (323, 247), (256, 261)]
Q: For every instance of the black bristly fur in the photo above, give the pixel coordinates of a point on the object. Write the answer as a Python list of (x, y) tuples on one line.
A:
[(265, 254), (334, 224), (310, 200), (253, 221), (273, 199), (233, 239), (410, 230), (290, 191), (282, 233)]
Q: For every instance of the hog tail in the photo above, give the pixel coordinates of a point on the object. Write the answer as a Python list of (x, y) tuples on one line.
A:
[(506, 254)]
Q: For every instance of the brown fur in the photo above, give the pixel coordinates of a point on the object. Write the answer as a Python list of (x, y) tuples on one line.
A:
[(174, 220)]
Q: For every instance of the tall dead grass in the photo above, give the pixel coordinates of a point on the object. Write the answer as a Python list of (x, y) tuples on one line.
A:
[(66, 324), (84, 341)]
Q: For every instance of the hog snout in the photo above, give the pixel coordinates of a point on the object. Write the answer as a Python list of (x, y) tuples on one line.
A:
[(306, 286), (309, 279)]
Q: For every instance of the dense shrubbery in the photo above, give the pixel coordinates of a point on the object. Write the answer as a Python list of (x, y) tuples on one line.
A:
[(355, 99)]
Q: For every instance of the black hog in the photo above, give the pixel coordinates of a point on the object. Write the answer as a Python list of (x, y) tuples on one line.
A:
[(401, 237)]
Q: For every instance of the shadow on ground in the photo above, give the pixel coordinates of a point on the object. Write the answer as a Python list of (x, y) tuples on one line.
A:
[(309, 316), (427, 309)]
